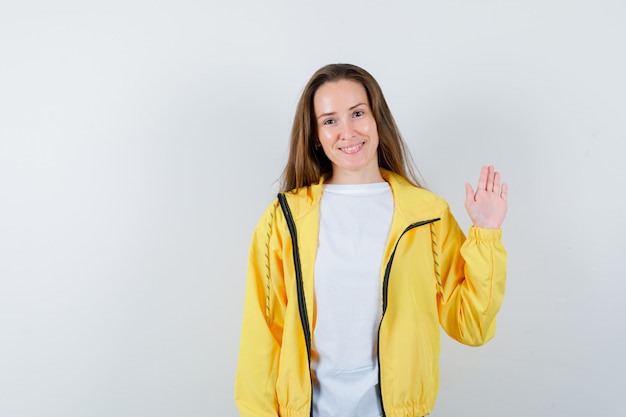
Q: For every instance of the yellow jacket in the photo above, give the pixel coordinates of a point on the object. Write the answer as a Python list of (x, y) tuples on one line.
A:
[(430, 276)]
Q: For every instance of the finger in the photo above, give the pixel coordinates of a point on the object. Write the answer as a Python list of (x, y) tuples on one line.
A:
[(470, 196), (482, 179), (496, 182), (505, 191), (490, 178)]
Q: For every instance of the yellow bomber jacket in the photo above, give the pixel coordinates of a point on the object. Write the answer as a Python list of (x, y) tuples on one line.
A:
[(430, 276)]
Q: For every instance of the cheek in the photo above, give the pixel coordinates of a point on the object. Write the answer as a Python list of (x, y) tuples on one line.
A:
[(325, 136), (323, 140), (370, 127), (373, 133)]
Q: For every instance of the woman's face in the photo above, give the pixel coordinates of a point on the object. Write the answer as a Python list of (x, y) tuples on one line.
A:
[(347, 132)]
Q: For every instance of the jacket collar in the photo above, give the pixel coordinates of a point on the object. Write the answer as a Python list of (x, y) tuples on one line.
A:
[(411, 203)]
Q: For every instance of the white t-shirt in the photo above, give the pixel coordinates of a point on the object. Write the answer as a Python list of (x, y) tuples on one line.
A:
[(354, 227)]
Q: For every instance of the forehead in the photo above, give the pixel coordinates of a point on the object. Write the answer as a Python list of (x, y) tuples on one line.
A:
[(339, 95)]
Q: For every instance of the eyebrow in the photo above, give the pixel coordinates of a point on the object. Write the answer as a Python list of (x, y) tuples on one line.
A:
[(332, 113)]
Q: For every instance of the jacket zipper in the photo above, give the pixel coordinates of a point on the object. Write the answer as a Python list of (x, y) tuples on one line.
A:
[(304, 319), (385, 295)]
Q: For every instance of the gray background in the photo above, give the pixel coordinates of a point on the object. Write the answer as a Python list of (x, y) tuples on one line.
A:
[(140, 142)]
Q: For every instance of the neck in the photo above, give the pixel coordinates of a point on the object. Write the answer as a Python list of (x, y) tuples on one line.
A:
[(353, 177)]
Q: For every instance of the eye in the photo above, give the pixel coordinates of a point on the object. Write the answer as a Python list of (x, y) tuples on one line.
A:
[(329, 122), (358, 113)]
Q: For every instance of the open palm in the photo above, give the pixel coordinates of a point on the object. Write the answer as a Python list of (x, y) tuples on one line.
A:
[(487, 205)]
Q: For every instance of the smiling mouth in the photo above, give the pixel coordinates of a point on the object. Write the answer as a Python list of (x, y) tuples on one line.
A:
[(352, 148)]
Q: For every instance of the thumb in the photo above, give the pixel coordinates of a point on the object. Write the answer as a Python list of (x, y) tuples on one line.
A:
[(469, 193)]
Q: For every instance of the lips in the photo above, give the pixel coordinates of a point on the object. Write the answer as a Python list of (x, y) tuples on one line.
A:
[(352, 148)]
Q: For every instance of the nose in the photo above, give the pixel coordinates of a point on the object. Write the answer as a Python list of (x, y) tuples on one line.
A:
[(347, 129)]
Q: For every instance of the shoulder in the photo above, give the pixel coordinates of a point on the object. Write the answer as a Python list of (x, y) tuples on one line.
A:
[(303, 201), (413, 200), (268, 219), (300, 202)]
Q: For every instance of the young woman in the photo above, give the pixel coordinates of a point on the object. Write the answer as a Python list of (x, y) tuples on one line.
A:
[(354, 267)]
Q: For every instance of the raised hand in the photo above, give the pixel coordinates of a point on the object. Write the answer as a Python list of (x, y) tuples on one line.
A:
[(487, 205)]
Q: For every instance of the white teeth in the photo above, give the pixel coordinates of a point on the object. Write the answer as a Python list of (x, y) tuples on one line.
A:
[(351, 148)]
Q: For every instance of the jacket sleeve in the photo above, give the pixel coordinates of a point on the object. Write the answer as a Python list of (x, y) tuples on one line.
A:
[(262, 327), (471, 275)]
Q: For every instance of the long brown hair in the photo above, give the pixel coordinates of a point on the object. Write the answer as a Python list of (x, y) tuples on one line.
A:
[(307, 162)]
